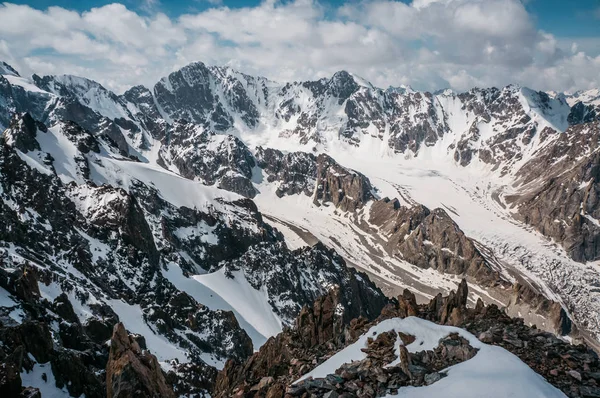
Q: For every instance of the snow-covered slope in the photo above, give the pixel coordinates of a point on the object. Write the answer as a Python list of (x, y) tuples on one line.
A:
[(147, 198), (90, 237), (492, 372)]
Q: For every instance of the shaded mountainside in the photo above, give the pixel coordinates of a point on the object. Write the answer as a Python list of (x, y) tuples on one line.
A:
[(77, 257)]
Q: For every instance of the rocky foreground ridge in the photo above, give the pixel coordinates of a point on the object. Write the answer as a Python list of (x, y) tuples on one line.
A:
[(318, 334), (129, 369)]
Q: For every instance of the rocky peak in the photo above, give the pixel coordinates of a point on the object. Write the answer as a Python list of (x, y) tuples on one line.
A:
[(343, 85), (187, 95), (6, 69), (22, 133), (137, 94), (131, 372)]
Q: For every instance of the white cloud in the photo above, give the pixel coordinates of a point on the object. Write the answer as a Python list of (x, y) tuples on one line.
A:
[(428, 44)]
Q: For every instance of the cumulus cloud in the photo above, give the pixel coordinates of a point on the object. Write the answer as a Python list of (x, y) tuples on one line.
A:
[(429, 44)]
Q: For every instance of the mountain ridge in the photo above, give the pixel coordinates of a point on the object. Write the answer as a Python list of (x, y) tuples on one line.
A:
[(190, 205)]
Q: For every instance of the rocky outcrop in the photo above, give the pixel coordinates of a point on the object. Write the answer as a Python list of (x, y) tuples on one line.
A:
[(22, 132), (430, 239), (294, 279), (214, 159), (295, 172), (559, 192), (319, 329), (373, 376), (523, 296), (318, 335), (131, 372), (320, 176), (348, 190)]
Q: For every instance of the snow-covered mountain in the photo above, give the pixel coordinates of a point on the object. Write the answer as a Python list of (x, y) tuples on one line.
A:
[(192, 211)]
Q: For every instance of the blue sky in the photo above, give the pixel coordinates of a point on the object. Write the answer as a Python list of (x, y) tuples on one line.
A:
[(428, 44)]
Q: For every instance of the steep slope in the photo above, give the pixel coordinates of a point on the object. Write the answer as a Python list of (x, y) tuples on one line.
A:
[(91, 238), (458, 152)]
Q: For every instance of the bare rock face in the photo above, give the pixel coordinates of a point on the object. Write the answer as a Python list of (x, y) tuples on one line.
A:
[(560, 191), (214, 159), (320, 176), (407, 304), (131, 372), (430, 239), (345, 188), (560, 321), (321, 323), (279, 272), (295, 171), (22, 132), (583, 113)]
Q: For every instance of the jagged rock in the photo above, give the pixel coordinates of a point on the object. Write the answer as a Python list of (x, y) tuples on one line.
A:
[(320, 176), (406, 338), (22, 132), (200, 154), (131, 372), (524, 295), (430, 239), (278, 270), (407, 304), (71, 372), (317, 329), (294, 171), (63, 307), (320, 324), (291, 355), (34, 336), (346, 189)]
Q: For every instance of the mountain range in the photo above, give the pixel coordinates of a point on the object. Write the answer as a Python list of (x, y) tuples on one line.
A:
[(207, 213)]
